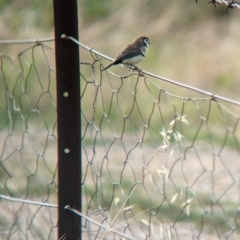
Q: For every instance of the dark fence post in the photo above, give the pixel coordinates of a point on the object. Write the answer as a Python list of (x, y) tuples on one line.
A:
[(68, 114)]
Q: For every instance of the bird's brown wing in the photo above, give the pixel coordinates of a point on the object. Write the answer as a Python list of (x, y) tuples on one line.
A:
[(128, 52)]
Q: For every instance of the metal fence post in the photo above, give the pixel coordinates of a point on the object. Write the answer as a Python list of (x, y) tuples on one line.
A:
[(68, 114)]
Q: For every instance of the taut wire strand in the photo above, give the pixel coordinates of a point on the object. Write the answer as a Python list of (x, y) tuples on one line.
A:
[(209, 94)]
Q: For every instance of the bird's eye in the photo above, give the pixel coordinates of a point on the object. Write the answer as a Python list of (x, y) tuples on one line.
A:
[(146, 41)]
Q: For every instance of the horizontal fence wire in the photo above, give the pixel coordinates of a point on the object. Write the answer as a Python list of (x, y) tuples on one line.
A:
[(28, 161), (211, 95), (161, 158)]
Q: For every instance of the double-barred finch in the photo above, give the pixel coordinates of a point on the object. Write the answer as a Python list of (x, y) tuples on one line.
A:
[(133, 53)]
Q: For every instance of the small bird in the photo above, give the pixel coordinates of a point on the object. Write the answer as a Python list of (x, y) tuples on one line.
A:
[(132, 54)]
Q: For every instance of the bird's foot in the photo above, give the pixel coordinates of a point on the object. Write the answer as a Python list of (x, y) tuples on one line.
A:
[(135, 68)]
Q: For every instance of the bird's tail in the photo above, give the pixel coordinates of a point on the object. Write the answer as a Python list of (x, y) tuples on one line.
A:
[(107, 66)]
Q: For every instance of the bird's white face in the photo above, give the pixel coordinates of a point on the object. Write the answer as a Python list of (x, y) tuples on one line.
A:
[(146, 42)]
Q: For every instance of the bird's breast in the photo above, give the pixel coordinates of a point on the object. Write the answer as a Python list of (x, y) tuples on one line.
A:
[(133, 60)]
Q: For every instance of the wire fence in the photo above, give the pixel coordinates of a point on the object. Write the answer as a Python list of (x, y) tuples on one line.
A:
[(160, 159), (28, 161)]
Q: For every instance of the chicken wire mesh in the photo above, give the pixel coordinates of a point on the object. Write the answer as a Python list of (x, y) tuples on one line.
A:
[(28, 142), (161, 160)]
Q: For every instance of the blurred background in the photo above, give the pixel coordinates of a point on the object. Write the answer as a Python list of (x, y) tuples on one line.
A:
[(193, 43), (196, 44)]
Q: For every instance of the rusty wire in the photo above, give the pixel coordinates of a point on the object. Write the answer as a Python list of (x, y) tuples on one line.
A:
[(229, 3)]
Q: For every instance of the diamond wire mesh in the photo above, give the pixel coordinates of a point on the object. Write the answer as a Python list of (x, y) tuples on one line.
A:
[(161, 162), (28, 142)]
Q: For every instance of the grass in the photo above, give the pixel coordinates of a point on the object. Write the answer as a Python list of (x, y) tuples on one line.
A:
[(200, 210)]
